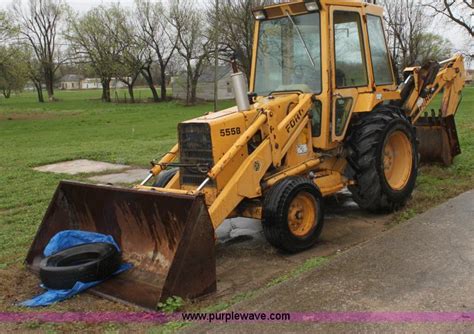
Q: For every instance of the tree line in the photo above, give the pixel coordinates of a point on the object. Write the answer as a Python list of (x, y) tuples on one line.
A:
[(155, 40), (410, 25)]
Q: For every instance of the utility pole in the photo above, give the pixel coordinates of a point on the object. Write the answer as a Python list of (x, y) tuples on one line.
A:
[(216, 54)]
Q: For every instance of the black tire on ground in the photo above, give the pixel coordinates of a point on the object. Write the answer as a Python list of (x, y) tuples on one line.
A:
[(164, 177), (367, 144), (84, 263), (294, 201)]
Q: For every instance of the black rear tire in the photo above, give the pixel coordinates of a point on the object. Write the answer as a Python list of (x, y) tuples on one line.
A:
[(276, 212), (366, 142), (165, 177)]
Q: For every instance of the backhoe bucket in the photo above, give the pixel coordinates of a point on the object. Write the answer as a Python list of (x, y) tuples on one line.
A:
[(167, 237), (438, 139)]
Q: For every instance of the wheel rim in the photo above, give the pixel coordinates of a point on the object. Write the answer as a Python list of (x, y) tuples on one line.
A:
[(302, 214), (397, 160)]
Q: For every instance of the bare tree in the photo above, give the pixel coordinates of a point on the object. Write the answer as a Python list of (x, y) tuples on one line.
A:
[(457, 11), (35, 72), (133, 58), (235, 23), (132, 65), (38, 23), (159, 35), (98, 38), (147, 72), (215, 39), (19, 61), (407, 22), (194, 45)]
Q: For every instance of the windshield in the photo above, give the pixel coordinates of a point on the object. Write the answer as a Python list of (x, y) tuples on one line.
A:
[(286, 53)]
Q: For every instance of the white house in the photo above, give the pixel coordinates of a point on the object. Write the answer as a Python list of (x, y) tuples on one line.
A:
[(70, 81), (96, 83), (117, 83), (205, 87), (74, 81), (91, 83)]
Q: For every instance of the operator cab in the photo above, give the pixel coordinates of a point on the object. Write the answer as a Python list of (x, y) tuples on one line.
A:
[(335, 50)]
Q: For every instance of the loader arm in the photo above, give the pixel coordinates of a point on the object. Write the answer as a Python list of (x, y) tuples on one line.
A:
[(246, 181)]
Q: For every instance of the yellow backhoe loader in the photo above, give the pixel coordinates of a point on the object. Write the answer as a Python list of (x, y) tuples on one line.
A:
[(324, 113)]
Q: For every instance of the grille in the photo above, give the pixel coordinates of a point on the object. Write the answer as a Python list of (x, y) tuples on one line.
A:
[(195, 147)]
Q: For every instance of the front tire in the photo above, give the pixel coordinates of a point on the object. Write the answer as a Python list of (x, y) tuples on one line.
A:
[(293, 214), (384, 155)]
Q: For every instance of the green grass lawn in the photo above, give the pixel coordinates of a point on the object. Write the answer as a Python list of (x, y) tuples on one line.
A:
[(78, 126), (70, 101), (81, 126), (437, 183)]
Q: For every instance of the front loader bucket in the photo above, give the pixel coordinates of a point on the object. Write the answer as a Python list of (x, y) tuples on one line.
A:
[(438, 139), (167, 237)]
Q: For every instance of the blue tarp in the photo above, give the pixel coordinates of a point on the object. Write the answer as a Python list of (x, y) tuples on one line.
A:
[(59, 242)]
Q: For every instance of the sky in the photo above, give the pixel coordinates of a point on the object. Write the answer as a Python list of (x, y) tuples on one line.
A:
[(80, 5), (456, 35), (85, 5)]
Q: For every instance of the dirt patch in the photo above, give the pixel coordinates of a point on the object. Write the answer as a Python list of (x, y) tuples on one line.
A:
[(32, 116), (18, 284), (245, 264)]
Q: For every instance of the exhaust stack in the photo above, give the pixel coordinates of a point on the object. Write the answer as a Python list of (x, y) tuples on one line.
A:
[(239, 84)]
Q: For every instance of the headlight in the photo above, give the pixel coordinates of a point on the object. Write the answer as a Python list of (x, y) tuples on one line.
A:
[(312, 5), (259, 14)]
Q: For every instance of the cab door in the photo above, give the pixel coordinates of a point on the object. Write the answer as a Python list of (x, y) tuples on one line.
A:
[(350, 75)]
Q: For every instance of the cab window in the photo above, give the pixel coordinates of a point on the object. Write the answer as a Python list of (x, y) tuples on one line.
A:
[(378, 50), (351, 69), (289, 55)]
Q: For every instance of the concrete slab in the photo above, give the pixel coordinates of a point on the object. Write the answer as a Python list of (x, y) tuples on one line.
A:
[(423, 265), (80, 166), (129, 176)]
